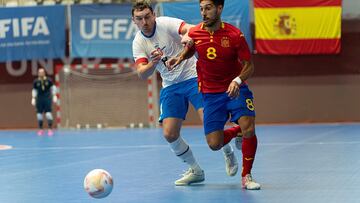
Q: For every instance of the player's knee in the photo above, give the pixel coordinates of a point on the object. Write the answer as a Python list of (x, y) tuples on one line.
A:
[(170, 134), (248, 132), (39, 116), (49, 115), (214, 144), (247, 124)]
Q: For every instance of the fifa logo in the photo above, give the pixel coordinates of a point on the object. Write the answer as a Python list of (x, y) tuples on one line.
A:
[(24, 27), (285, 25)]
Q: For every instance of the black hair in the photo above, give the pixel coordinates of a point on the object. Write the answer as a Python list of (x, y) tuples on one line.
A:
[(217, 2)]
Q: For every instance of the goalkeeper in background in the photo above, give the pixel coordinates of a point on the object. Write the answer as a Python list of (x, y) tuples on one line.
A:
[(43, 94)]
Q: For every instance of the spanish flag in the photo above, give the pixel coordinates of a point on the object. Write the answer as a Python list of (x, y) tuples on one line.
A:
[(297, 26)]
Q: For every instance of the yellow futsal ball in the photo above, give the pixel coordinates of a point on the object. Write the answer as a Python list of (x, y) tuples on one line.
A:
[(98, 183)]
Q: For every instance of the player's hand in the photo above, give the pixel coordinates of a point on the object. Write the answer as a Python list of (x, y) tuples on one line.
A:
[(54, 99), (155, 56), (33, 101), (172, 63), (233, 90)]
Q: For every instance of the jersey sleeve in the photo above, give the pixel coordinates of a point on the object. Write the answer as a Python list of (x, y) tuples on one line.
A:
[(191, 35), (139, 53), (173, 25), (243, 48), (191, 32)]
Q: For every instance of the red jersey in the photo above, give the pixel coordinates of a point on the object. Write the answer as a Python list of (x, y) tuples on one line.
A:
[(219, 56)]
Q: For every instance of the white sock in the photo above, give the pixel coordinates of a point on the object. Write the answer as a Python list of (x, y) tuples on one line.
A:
[(183, 151), (227, 149)]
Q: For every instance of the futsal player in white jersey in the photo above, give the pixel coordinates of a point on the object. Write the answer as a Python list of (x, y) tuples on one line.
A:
[(159, 38)]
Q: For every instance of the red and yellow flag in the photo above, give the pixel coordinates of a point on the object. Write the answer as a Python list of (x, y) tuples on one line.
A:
[(297, 27)]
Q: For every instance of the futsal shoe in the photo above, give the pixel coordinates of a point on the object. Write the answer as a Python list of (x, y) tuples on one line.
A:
[(249, 183), (191, 176), (40, 132), (231, 164), (50, 132), (238, 141)]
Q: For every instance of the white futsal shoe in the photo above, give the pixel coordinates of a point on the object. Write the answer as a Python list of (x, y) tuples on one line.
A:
[(231, 164), (249, 183), (238, 139), (238, 142), (191, 176)]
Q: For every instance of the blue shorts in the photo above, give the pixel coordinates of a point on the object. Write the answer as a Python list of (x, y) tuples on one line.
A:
[(219, 106), (174, 99)]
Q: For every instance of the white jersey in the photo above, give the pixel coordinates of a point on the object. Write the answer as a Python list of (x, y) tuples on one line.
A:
[(167, 40)]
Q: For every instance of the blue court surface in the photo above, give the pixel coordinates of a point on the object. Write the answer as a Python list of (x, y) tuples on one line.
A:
[(294, 163)]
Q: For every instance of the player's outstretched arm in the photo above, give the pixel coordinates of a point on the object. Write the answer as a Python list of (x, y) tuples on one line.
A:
[(146, 69), (185, 29), (184, 33), (187, 52)]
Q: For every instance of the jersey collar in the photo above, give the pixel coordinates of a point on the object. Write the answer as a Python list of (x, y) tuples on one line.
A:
[(152, 34), (43, 79), (222, 26)]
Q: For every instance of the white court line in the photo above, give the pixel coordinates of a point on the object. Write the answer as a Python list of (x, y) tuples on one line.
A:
[(92, 147), (306, 141), (44, 169), (167, 146), (145, 148), (309, 143)]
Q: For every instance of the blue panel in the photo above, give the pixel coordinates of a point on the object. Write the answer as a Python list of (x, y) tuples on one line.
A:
[(235, 13), (102, 30), (32, 33)]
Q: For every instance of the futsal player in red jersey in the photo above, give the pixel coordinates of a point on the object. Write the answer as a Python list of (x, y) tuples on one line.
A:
[(223, 66)]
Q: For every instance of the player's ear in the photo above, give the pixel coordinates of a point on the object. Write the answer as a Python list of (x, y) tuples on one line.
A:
[(220, 8), (133, 19)]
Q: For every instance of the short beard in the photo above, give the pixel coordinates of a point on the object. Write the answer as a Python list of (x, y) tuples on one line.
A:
[(213, 22)]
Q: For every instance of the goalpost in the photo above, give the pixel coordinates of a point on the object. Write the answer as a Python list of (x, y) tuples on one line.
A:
[(105, 96)]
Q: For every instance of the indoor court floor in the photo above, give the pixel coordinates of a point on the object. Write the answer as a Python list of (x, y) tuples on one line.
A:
[(310, 163)]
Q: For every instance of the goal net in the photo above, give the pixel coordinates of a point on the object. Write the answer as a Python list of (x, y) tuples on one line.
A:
[(105, 95)]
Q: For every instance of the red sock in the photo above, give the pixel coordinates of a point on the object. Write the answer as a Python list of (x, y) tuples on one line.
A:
[(249, 146), (230, 133)]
